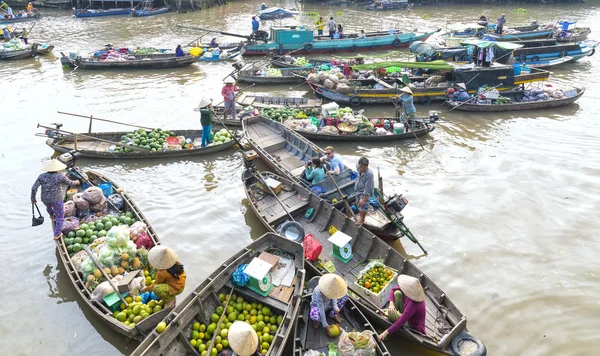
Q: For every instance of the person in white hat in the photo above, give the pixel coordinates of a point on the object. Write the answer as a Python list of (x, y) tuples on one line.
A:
[(52, 193), (243, 340), (330, 295), (205, 119), (170, 276), (228, 93), (409, 300)]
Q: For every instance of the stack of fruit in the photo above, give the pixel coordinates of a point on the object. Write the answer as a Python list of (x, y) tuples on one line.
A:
[(255, 314), (221, 137), (87, 233), (376, 278), (282, 114), (153, 140), (137, 311)]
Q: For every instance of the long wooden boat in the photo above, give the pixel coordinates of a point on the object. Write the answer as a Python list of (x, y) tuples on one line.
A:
[(278, 62), (17, 54), (574, 50), (5, 21), (288, 77), (100, 12), (384, 5), (91, 148), (444, 322), (43, 51), (150, 12), (98, 309), (525, 35), (201, 303), (545, 63), (303, 41), (575, 35), (260, 101), (310, 338), (285, 152), (141, 61), (517, 105)]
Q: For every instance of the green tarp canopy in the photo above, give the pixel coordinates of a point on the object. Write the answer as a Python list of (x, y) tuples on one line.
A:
[(486, 44), (436, 65)]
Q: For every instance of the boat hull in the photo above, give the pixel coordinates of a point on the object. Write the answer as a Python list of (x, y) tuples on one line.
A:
[(358, 138), (18, 54), (102, 13), (160, 62), (528, 35), (146, 13), (4, 21)]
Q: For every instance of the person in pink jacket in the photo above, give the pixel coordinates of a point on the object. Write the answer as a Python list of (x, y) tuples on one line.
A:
[(409, 300), (228, 93)]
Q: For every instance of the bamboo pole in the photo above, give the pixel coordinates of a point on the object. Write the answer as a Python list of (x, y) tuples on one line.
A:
[(106, 120), (95, 138)]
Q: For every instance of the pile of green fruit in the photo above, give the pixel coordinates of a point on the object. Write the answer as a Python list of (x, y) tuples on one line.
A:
[(153, 140), (145, 50), (137, 311), (222, 136), (87, 233), (282, 114), (255, 314)]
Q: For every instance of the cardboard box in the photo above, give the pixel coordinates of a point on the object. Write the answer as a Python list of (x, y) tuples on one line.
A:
[(126, 284), (275, 185)]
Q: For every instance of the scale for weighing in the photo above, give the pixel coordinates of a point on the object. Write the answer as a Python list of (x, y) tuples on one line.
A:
[(342, 250), (260, 277)]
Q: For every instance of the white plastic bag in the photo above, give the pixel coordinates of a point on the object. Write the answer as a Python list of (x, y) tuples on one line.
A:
[(103, 289), (356, 343)]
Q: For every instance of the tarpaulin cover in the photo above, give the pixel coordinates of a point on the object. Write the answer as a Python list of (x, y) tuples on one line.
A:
[(486, 44), (426, 49), (436, 65)]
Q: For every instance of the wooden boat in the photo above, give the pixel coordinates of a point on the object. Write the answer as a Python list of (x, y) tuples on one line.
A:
[(99, 309), (150, 12), (289, 76), (141, 61), (444, 321), (17, 54), (43, 51), (276, 13), (545, 63), (100, 12), (574, 50), (525, 35), (91, 148), (259, 101), (575, 35), (309, 338), (384, 5), (34, 17), (303, 41), (517, 105), (199, 305)]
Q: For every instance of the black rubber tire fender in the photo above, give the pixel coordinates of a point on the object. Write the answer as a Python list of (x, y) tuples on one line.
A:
[(355, 100), (592, 52), (523, 57), (425, 100), (289, 225), (535, 58), (460, 338), (308, 47), (396, 42)]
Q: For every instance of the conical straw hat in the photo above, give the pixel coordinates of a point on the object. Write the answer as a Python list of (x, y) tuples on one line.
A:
[(242, 339), (406, 90), (162, 257), (411, 287), (333, 286), (53, 165), (204, 102), (229, 80)]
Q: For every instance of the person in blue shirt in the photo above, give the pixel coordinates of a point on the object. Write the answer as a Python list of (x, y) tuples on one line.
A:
[(408, 106), (500, 24), (255, 24), (314, 173), (179, 51), (335, 163), (263, 6)]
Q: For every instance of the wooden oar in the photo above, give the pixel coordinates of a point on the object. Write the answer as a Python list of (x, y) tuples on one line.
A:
[(342, 195), (263, 182), (409, 126), (106, 120), (99, 266), (95, 138), (212, 341)]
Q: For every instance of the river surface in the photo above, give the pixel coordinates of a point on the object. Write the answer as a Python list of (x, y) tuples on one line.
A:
[(505, 203)]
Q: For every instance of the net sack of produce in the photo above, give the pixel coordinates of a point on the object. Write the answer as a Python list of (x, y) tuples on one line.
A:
[(93, 195), (313, 78), (329, 130), (78, 258), (71, 223), (97, 245), (328, 84), (102, 206), (117, 236), (322, 76), (69, 208), (80, 202), (136, 229), (117, 201), (334, 79), (356, 343), (88, 219), (87, 266), (343, 88), (104, 289), (381, 131)]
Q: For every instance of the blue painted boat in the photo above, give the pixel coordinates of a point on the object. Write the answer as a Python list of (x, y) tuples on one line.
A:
[(576, 51), (276, 13), (150, 12), (302, 41), (100, 12), (526, 35), (32, 17)]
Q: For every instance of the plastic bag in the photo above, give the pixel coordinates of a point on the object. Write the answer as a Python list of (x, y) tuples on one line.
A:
[(356, 343), (101, 206), (71, 223), (81, 203), (239, 278), (343, 88), (143, 240), (328, 84), (104, 289), (136, 229), (313, 353), (78, 258), (117, 201), (93, 195), (118, 236), (70, 208)]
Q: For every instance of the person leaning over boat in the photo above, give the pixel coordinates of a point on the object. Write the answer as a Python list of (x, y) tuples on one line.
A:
[(243, 341), (213, 43), (363, 188), (313, 172), (170, 276), (52, 193), (331, 294), (362, 34), (205, 119), (407, 305), (320, 25), (331, 27), (228, 93), (335, 163), (500, 21), (482, 20), (179, 52)]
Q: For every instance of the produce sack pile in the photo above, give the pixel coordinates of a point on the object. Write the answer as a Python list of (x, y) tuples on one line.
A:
[(356, 343), (260, 317), (332, 79), (302, 62), (12, 45)]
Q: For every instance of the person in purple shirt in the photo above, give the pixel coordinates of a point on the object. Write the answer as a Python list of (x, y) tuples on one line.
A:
[(52, 193), (409, 298)]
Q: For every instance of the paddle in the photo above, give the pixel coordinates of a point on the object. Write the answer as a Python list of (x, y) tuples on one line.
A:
[(471, 99), (409, 125), (99, 266), (212, 341), (262, 181), (342, 195), (106, 120)]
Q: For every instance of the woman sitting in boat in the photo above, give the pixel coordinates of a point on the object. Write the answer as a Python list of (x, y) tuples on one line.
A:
[(340, 30), (362, 35), (179, 52), (409, 298), (458, 94), (170, 276), (243, 341), (314, 173), (328, 299), (213, 43), (52, 194)]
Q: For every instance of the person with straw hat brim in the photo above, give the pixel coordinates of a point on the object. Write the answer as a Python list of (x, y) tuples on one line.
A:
[(243, 340), (205, 119), (408, 299), (170, 276), (408, 106), (330, 295), (52, 193), (228, 93)]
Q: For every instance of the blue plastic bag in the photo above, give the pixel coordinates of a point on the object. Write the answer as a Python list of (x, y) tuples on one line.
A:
[(239, 278), (148, 296)]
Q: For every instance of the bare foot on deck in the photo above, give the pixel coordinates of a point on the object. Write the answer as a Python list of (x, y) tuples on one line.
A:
[(58, 237), (315, 324)]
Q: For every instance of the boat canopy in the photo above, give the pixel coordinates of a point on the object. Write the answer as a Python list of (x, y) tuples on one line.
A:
[(422, 48), (486, 44), (436, 65)]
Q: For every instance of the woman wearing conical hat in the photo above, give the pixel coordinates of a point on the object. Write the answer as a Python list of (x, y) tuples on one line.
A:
[(243, 341), (170, 276), (328, 298), (52, 193), (409, 300)]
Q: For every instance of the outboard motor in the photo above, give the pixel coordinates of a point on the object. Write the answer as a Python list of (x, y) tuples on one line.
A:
[(433, 116), (395, 204), (70, 159), (52, 133)]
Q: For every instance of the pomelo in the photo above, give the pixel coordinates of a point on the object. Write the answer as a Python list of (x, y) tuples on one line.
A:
[(196, 325), (214, 318), (161, 327), (334, 331)]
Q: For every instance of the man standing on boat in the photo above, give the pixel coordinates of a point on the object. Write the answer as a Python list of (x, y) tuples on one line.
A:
[(363, 189), (332, 27), (228, 93), (320, 25), (255, 24), (500, 23)]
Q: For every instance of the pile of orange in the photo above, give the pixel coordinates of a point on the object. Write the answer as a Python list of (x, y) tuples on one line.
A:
[(376, 278)]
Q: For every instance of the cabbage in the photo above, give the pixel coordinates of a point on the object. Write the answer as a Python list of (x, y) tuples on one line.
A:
[(118, 236), (87, 266)]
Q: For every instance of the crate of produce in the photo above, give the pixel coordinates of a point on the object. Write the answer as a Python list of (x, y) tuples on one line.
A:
[(375, 282)]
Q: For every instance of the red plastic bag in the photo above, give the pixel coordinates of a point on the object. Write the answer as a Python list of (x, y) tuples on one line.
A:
[(312, 247), (143, 240)]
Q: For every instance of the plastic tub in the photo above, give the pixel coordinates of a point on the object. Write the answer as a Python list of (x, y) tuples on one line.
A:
[(398, 128)]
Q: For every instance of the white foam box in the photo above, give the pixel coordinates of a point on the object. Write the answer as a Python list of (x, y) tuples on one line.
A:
[(380, 299)]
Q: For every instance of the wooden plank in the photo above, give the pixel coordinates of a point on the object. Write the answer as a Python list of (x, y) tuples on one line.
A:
[(269, 258), (383, 83)]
